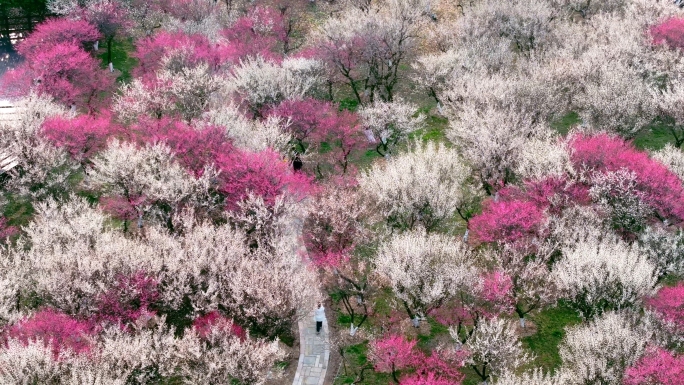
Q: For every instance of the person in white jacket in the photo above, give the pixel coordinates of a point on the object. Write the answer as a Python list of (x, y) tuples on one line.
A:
[(319, 317)]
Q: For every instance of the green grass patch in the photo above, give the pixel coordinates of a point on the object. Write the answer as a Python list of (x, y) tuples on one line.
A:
[(18, 211), (565, 123), (550, 331), (121, 58), (653, 137), (434, 130)]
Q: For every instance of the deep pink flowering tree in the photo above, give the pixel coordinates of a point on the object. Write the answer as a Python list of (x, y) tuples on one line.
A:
[(313, 122), (124, 208), (63, 71), (658, 366), (195, 148), (661, 189), (58, 31), (203, 324), (129, 299), (56, 330), (82, 136), (264, 174), (669, 305), (670, 32), (393, 353), (507, 221), (554, 193), (496, 289)]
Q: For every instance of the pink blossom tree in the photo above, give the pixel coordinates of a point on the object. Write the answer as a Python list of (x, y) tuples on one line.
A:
[(58, 31), (658, 366), (82, 136), (203, 325), (507, 221), (314, 122), (670, 32), (195, 148), (261, 32), (6, 230), (660, 188), (129, 299), (110, 18), (264, 174), (54, 329), (393, 353), (668, 303), (63, 71), (196, 48)]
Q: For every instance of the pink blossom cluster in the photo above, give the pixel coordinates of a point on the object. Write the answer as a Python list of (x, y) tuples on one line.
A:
[(393, 353), (520, 213)]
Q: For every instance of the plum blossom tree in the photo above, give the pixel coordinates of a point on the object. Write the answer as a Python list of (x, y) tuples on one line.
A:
[(393, 353), (43, 170), (55, 330), (367, 47), (507, 221), (424, 270), (672, 158), (63, 71), (670, 32), (220, 357), (528, 275), (494, 349), (261, 173), (426, 187), (259, 83), (599, 352), (536, 377), (662, 189), (493, 149), (668, 306), (252, 135), (391, 122), (657, 366), (664, 249), (110, 18), (599, 275), (149, 178), (334, 225), (58, 31), (82, 136), (616, 193)]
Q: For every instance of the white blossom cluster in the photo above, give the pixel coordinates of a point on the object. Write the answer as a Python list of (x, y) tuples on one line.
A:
[(425, 186)]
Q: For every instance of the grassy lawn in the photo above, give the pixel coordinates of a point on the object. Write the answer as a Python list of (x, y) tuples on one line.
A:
[(654, 137), (121, 58), (550, 331)]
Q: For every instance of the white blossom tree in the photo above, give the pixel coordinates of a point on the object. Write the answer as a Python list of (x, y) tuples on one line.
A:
[(494, 348), (44, 170), (259, 83), (599, 352), (428, 186), (389, 123), (425, 270), (600, 274)]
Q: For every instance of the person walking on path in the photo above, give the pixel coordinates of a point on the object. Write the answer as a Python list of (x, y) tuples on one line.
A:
[(319, 317)]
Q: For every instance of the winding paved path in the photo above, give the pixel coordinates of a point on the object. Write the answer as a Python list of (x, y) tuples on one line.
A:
[(314, 353)]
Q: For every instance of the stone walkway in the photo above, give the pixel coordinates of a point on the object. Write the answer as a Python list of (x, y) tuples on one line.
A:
[(314, 353)]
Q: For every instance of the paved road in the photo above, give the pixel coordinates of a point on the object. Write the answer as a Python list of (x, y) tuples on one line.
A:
[(314, 353)]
